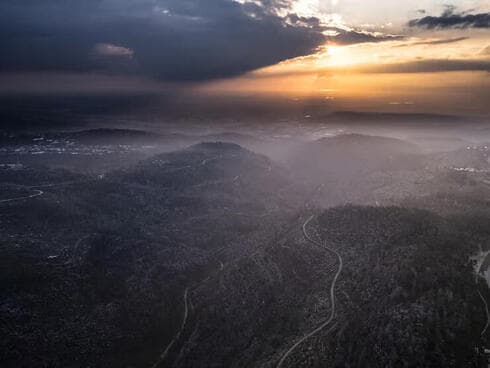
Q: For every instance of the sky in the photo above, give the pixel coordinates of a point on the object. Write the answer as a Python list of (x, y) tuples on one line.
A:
[(405, 55)]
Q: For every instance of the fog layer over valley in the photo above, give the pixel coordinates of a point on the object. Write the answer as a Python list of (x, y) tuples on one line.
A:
[(140, 235)]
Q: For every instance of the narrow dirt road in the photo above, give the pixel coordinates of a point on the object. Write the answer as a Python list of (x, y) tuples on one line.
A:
[(486, 311), (37, 194), (332, 295), (177, 335), (477, 275)]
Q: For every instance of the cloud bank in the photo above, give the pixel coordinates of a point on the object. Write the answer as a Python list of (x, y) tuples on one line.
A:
[(167, 39), (175, 40), (451, 19)]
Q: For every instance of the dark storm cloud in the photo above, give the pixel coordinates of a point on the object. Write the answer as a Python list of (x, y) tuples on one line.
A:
[(450, 19), (167, 39)]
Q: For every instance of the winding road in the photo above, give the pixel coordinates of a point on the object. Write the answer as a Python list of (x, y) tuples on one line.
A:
[(196, 286), (332, 295), (486, 311), (37, 194), (179, 332), (485, 304)]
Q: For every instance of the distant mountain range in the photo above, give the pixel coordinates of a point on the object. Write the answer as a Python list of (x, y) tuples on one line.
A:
[(384, 117)]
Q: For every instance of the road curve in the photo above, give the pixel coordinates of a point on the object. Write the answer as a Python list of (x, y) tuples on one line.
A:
[(332, 295), (37, 194), (485, 304), (487, 313), (177, 335)]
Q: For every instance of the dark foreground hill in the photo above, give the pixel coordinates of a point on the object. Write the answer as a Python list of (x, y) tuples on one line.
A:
[(93, 271), (407, 297), (196, 258), (413, 300)]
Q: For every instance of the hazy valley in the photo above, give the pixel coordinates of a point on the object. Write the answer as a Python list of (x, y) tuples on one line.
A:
[(166, 247)]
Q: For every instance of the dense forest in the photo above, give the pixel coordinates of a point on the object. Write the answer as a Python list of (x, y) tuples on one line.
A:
[(173, 257)]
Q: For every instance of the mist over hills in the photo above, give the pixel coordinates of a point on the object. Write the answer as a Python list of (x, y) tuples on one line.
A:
[(133, 235), (165, 247), (354, 154), (244, 184)]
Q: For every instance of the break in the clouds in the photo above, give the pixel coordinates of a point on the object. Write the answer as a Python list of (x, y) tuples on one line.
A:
[(452, 19), (167, 39), (349, 37)]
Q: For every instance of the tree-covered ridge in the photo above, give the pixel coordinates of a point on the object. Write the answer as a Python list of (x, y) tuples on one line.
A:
[(412, 298)]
